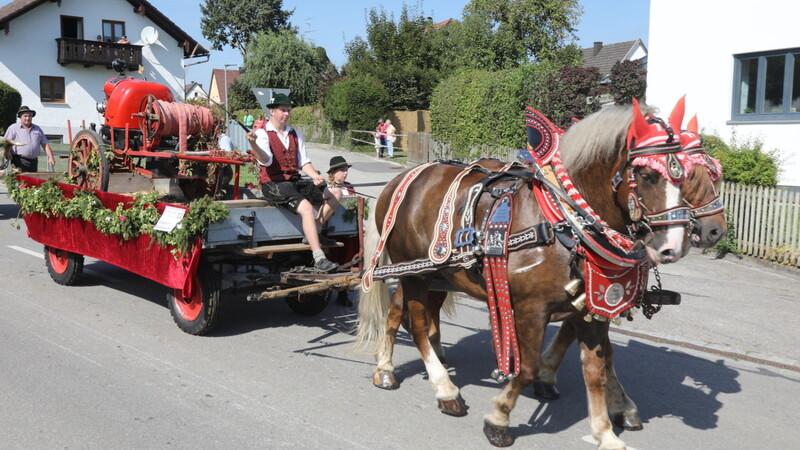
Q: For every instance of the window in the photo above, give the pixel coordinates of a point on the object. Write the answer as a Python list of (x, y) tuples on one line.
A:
[(72, 27), (51, 89), (766, 86), (113, 30)]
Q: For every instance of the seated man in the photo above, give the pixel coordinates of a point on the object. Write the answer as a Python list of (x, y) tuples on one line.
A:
[(281, 154)]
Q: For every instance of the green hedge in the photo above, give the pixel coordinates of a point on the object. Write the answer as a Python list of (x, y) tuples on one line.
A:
[(356, 103), (10, 101), (745, 161)]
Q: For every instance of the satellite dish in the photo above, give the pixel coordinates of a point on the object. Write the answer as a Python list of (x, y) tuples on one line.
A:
[(149, 35)]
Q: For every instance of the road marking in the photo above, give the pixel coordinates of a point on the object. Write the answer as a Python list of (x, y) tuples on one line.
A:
[(91, 272)]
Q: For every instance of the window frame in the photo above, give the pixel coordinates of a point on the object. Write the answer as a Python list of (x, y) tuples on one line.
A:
[(791, 56), (113, 38), (51, 80)]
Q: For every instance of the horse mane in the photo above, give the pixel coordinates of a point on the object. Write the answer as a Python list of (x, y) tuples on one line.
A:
[(598, 138)]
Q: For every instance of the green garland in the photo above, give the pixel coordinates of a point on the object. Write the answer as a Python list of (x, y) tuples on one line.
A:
[(127, 220)]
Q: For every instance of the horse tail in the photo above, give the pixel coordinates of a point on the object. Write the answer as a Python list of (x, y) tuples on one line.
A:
[(373, 305), (449, 305)]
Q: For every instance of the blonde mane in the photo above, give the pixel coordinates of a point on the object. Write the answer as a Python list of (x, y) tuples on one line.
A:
[(597, 139)]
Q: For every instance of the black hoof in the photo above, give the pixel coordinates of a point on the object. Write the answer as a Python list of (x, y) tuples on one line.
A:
[(454, 407), (385, 380), (545, 391), (629, 421), (497, 436)]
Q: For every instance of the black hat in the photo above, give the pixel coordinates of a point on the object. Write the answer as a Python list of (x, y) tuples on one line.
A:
[(279, 99), (337, 162), (25, 109)]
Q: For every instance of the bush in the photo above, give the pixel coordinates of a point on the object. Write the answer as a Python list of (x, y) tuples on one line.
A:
[(307, 115), (744, 161), (356, 103), (628, 81), (567, 91), (10, 101)]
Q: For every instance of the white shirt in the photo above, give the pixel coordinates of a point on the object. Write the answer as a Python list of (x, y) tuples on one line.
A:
[(225, 143), (262, 140)]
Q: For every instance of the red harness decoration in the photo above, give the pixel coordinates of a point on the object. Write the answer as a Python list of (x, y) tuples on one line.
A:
[(498, 294)]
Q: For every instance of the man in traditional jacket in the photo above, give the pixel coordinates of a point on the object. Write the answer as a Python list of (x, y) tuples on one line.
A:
[(281, 154)]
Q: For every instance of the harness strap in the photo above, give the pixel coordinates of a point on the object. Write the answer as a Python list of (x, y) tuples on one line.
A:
[(441, 246)]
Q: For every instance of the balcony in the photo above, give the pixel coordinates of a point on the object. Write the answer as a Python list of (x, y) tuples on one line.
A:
[(94, 53)]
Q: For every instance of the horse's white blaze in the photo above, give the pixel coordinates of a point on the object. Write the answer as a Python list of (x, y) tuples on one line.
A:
[(675, 233), (437, 374)]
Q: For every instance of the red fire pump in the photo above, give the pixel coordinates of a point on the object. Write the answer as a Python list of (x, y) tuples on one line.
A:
[(146, 132)]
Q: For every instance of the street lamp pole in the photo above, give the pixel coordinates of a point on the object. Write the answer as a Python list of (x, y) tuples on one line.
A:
[(227, 119)]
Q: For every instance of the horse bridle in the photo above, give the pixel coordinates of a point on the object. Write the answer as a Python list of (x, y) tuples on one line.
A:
[(643, 219)]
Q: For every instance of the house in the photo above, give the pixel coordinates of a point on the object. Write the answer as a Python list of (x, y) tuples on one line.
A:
[(221, 81), (58, 54), (605, 56), (194, 91), (745, 81)]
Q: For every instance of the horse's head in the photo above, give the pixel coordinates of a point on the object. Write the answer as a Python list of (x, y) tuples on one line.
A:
[(702, 187), (655, 170)]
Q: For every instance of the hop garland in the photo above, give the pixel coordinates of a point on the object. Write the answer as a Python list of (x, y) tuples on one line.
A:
[(128, 220)]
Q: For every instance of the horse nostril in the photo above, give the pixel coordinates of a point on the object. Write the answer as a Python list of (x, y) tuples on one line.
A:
[(668, 253)]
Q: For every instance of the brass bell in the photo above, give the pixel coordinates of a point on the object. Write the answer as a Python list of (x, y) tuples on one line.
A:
[(573, 286), (580, 302)]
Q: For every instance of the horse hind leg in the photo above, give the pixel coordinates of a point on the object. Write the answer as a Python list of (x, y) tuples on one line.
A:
[(434, 307), (447, 394), (544, 386), (593, 339), (383, 376)]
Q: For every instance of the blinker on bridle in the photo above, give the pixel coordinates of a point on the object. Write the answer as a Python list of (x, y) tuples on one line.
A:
[(642, 218)]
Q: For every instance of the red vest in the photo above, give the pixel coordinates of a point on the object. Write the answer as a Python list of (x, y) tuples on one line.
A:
[(284, 160)]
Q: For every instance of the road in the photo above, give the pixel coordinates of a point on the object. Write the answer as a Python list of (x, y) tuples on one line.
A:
[(101, 365)]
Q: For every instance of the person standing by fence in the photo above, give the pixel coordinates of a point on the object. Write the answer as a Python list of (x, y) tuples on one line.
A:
[(390, 130), (380, 140)]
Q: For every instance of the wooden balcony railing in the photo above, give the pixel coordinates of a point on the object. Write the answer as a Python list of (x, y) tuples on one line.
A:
[(94, 53)]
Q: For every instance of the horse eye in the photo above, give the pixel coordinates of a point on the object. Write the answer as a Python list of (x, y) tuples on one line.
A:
[(647, 178)]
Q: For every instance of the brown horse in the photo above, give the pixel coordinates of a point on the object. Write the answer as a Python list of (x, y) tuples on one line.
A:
[(595, 153), (701, 192)]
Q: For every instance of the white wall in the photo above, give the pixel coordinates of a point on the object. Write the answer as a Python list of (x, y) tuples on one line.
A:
[(691, 48), (84, 85)]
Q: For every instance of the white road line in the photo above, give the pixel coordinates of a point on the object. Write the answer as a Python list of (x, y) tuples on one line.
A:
[(91, 272)]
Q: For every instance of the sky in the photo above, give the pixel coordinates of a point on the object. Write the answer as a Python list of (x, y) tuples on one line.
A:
[(331, 24)]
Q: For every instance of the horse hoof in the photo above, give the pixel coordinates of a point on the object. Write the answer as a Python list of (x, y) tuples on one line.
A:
[(384, 380), (454, 407), (545, 391), (497, 436), (629, 421)]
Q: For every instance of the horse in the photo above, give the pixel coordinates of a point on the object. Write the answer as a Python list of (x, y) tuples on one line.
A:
[(597, 152), (701, 193)]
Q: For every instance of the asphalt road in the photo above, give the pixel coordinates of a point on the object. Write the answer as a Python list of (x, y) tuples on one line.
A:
[(101, 365)]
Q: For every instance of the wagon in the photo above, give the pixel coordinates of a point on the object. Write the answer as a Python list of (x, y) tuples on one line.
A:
[(256, 251)]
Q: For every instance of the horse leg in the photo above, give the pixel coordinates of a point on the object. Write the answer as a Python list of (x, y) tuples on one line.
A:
[(593, 340), (383, 376), (621, 408), (434, 308), (544, 386), (530, 335), (447, 394)]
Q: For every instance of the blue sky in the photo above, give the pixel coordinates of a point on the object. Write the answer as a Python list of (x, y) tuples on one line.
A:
[(332, 23)]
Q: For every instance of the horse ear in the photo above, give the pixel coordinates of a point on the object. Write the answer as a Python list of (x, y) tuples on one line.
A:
[(639, 128), (676, 117), (692, 125)]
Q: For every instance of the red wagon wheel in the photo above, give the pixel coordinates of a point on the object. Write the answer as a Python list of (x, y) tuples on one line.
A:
[(64, 267), (199, 313), (88, 166)]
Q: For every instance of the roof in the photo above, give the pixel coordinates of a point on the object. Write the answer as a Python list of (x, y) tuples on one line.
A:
[(218, 75), (605, 56), (191, 48)]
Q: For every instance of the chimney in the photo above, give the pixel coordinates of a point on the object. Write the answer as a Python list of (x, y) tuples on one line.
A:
[(598, 45)]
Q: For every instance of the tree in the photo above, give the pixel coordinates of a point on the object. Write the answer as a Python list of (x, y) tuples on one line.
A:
[(572, 92), (356, 103), (628, 80), (522, 29), (284, 60), (235, 23)]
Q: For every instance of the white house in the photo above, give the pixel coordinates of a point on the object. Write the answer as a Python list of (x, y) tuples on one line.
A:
[(739, 64), (194, 91), (58, 54)]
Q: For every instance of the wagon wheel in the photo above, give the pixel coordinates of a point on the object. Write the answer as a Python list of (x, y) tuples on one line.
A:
[(199, 313), (310, 304), (65, 268), (88, 166)]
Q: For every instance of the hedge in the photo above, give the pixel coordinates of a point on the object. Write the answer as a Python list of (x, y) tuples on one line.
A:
[(10, 101)]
